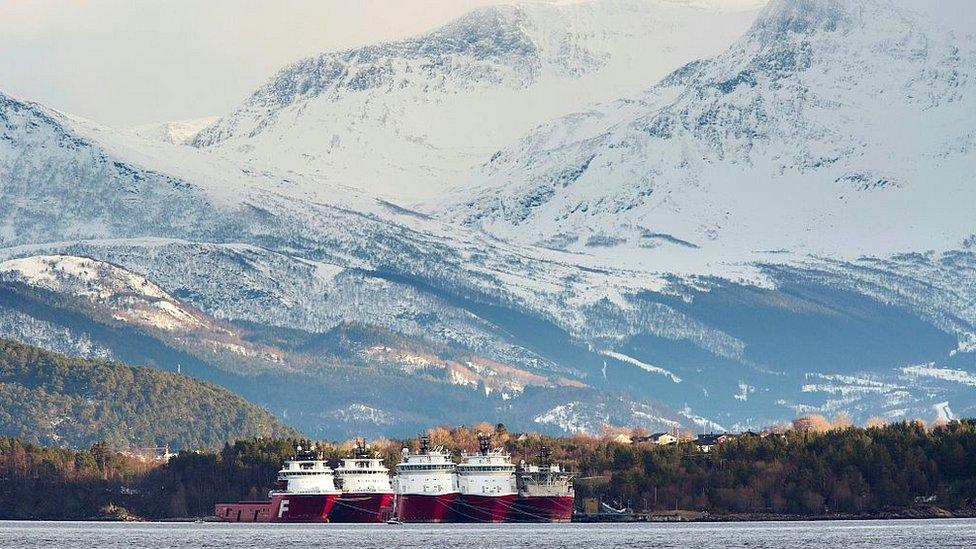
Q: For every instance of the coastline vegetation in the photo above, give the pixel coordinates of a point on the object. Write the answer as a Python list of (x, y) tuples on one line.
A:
[(809, 470)]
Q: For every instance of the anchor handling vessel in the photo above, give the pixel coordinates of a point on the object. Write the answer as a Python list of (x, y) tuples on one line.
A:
[(426, 485), (545, 492), (304, 492), (486, 481), (367, 495)]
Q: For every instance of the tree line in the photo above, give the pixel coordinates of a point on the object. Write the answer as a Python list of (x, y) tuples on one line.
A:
[(804, 471)]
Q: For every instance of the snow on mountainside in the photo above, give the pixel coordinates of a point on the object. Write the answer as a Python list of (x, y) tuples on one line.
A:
[(406, 119), (234, 246), (178, 132), (126, 298), (131, 297), (244, 247), (831, 128), (615, 328)]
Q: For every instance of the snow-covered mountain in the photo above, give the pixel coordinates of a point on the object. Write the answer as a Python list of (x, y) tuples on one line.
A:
[(405, 119), (342, 382), (832, 128), (238, 246), (492, 319), (833, 137), (386, 319)]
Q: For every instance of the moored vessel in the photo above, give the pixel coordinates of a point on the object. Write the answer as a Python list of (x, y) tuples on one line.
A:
[(545, 492), (426, 486), (304, 492), (367, 495), (486, 480)]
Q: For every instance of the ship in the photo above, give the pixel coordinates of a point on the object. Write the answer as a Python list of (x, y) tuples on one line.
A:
[(367, 495), (426, 485), (486, 480), (545, 492), (305, 491)]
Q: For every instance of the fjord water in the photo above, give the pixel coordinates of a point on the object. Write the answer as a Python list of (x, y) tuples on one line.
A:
[(754, 535)]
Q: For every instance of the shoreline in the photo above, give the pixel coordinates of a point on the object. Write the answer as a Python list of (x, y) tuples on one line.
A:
[(901, 514), (904, 514)]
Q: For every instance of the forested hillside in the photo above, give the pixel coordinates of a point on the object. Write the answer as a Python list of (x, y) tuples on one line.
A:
[(55, 400)]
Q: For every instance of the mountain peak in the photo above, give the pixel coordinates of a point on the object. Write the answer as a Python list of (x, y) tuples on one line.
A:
[(854, 106), (486, 33), (395, 119), (804, 17), (177, 132)]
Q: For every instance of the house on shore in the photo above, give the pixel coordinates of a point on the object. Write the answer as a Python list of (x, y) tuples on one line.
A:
[(658, 438), (708, 441)]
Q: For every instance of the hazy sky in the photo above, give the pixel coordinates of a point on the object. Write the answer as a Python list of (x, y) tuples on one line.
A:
[(128, 62)]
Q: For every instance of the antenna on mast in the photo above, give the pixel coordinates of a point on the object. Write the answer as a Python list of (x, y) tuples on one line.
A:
[(362, 450), (484, 443)]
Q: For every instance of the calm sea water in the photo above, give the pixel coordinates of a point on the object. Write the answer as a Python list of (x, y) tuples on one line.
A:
[(926, 534)]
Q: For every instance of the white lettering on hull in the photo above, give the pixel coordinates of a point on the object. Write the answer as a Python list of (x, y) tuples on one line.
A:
[(282, 508)]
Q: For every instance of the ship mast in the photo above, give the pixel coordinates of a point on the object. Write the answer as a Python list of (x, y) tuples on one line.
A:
[(362, 450), (545, 454), (484, 444)]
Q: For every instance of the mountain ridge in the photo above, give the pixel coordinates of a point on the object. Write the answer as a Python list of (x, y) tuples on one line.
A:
[(501, 69), (693, 160), (261, 255)]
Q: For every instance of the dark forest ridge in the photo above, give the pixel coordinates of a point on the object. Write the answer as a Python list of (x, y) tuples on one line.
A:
[(61, 401)]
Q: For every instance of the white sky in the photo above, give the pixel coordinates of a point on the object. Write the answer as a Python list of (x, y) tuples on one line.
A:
[(129, 62)]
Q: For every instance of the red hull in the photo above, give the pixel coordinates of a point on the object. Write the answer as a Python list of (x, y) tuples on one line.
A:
[(471, 508), (362, 507), (543, 509), (424, 508), (281, 508)]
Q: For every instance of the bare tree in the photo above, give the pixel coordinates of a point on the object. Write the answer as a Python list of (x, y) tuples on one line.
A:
[(842, 420), (811, 423), (876, 421)]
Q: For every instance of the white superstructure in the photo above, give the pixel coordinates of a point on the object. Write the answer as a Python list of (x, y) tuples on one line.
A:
[(363, 473), (306, 474), (428, 472), (490, 472), (546, 479)]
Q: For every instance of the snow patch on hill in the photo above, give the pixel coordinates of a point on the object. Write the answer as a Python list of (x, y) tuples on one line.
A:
[(24, 328), (178, 132), (591, 417), (130, 297), (642, 365)]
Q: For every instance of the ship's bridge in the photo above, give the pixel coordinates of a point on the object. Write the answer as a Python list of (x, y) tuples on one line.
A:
[(430, 460), (430, 472), (494, 461), (487, 473), (306, 475), (363, 472)]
